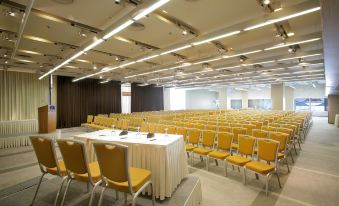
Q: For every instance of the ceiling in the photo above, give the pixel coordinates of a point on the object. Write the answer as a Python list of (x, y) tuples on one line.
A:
[(55, 31)]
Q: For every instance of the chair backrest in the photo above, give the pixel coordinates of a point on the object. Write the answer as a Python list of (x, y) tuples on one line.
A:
[(268, 128), (152, 128), (237, 131), (160, 129), (182, 131), (74, 155), (225, 140), (144, 127), (267, 150), (250, 128), (282, 138), (199, 126), (45, 152), (224, 129), (258, 133), (286, 131), (89, 118), (208, 138), (194, 136), (246, 144), (113, 163), (171, 129), (211, 127)]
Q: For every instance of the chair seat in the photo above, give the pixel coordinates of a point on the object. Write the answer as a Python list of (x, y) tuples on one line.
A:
[(235, 146), (62, 168), (190, 147), (138, 178), (259, 167), (95, 172), (281, 155), (218, 155), (201, 150), (238, 160)]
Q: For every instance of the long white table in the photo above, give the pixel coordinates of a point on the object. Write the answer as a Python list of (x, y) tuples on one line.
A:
[(164, 155)]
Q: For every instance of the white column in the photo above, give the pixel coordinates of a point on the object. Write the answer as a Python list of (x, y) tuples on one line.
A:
[(244, 99), (167, 99), (222, 98), (277, 96), (289, 98)]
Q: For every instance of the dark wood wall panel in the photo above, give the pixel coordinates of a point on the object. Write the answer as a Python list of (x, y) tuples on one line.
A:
[(146, 98), (77, 100)]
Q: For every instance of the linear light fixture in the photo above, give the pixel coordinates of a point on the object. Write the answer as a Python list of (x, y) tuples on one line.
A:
[(216, 37), (118, 29), (105, 81), (292, 43), (150, 9), (273, 21), (127, 64), (94, 44), (30, 52), (245, 53), (147, 58), (176, 49), (210, 60), (298, 57)]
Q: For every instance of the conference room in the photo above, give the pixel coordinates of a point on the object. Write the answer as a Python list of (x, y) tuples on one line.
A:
[(169, 102)]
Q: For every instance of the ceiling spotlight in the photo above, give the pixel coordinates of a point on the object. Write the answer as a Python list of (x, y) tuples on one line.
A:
[(117, 1), (11, 13), (242, 58), (290, 34), (266, 2), (184, 32), (100, 77), (82, 33), (6, 62), (117, 58), (95, 67)]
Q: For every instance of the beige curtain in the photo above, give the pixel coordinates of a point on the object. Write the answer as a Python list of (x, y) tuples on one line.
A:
[(21, 95)]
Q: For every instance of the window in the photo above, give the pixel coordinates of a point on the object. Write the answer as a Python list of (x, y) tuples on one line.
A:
[(311, 104), (260, 103), (236, 103)]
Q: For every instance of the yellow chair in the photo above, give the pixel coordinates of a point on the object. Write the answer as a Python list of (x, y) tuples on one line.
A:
[(151, 128), (267, 152), (250, 128), (258, 133), (160, 129), (224, 129), (170, 129), (182, 131), (207, 144), (116, 174), (268, 128), (77, 166), (144, 127), (44, 149), (211, 127), (193, 138), (245, 149), (224, 141), (236, 132), (282, 138)]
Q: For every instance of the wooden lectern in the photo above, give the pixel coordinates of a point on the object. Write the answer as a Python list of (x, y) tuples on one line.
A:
[(47, 119)]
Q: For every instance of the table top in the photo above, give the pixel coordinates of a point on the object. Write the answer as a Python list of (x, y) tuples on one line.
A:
[(131, 137)]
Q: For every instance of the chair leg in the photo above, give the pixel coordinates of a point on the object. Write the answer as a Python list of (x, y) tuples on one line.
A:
[(192, 156), (153, 194), (288, 168), (93, 192), (276, 172), (225, 163), (290, 152), (134, 199), (267, 179), (37, 189), (207, 162), (57, 196), (65, 193), (101, 195), (244, 177)]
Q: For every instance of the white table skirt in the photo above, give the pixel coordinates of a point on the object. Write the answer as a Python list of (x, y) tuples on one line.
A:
[(165, 157)]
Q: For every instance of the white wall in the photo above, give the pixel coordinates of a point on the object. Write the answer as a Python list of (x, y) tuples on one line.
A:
[(125, 100), (177, 98), (263, 93), (201, 99)]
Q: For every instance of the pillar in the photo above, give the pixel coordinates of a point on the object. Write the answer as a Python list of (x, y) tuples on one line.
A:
[(222, 97), (277, 96), (244, 99), (289, 98)]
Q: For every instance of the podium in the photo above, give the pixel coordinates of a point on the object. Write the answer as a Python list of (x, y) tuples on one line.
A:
[(47, 119)]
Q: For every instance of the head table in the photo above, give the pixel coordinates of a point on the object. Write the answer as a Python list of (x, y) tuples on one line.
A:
[(164, 155)]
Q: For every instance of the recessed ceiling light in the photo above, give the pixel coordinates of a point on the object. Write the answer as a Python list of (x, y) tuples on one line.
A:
[(184, 32), (266, 2), (290, 34)]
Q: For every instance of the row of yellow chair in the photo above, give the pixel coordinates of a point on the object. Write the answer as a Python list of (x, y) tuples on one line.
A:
[(108, 172)]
